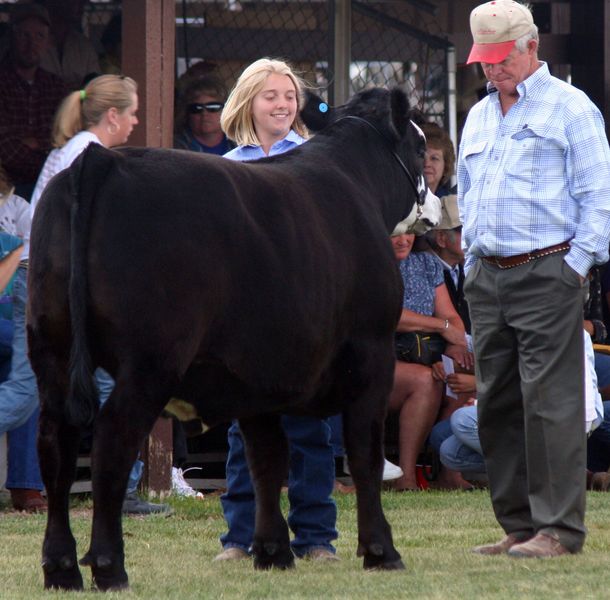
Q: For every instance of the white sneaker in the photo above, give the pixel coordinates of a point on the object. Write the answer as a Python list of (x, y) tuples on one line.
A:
[(179, 485), (390, 470)]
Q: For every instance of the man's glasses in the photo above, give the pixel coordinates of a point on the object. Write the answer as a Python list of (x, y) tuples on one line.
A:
[(197, 108)]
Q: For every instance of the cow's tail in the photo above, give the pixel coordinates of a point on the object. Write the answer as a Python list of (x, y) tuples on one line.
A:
[(86, 176)]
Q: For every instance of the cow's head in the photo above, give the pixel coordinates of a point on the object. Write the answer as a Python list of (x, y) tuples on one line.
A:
[(387, 112)]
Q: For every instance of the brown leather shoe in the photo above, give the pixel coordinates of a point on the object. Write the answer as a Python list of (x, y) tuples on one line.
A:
[(321, 555), (501, 547), (540, 546), (28, 500)]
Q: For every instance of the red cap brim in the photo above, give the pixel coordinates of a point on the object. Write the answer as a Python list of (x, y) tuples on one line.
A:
[(490, 53)]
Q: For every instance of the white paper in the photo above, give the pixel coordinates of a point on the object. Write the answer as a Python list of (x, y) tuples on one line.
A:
[(448, 367)]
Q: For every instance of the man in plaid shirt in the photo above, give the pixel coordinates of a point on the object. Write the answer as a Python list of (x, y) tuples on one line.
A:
[(29, 97)]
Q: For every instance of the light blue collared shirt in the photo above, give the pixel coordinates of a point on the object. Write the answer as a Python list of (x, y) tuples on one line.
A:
[(292, 140), (537, 176)]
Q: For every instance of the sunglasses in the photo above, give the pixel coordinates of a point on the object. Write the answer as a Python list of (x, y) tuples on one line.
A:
[(197, 108)]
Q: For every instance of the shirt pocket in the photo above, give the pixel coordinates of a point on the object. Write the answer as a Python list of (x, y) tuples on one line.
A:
[(533, 153), (474, 157)]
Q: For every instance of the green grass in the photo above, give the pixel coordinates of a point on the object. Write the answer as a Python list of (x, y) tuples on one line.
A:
[(434, 531)]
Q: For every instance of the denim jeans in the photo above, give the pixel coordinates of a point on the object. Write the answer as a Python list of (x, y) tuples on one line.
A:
[(18, 394), (313, 513), (23, 470), (336, 435), (457, 441)]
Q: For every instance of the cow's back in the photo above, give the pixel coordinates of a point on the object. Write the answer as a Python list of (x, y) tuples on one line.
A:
[(193, 257), (231, 262)]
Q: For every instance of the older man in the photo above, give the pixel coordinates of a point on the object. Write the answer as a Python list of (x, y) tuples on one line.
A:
[(534, 196), (29, 97)]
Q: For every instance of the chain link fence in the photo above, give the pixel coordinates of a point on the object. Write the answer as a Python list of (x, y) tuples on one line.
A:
[(393, 42), (387, 49)]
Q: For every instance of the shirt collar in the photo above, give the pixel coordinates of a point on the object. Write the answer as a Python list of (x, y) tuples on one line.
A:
[(292, 139), (536, 81)]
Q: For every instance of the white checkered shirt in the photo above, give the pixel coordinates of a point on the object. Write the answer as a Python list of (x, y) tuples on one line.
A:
[(537, 176)]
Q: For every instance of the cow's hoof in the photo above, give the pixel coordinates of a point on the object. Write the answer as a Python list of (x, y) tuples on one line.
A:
[(378, 558), (62, 574), (108, 573), (271, 555)]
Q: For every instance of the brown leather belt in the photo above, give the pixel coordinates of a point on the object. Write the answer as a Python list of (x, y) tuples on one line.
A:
[(508, 262)]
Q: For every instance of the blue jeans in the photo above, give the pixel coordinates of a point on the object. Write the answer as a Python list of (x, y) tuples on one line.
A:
[(18, 394), (23, 471), (313, 513), (336, 435), (457, 441)]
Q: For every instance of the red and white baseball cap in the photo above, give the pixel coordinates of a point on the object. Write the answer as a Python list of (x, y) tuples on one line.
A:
[(495, 26)]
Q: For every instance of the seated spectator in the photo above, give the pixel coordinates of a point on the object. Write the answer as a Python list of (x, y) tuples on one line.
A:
[(390, 470), (198, 117), (445, 244), (29, 97), (70, 54), (112, 44), (457, 442), (439, 163), (416, 394), (197, 129), (18, 416)]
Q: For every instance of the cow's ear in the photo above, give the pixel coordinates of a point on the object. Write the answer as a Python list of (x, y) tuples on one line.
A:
[(316, 114), (399, 107)]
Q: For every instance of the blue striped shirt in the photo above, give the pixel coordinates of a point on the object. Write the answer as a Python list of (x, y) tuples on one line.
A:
[(537, 176), (292, 140)]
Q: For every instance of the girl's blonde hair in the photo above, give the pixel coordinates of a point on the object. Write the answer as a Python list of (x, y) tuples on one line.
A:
[(236, 120), (85, 108)]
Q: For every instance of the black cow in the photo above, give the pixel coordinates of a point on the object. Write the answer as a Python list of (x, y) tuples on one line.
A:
[(270, 288)]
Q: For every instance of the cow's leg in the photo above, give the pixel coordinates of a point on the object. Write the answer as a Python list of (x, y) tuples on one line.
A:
[(57, 450), (121, 427), (363, 425), (267, 454)]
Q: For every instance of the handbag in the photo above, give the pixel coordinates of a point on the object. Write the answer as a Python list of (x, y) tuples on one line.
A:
[(419, 347)]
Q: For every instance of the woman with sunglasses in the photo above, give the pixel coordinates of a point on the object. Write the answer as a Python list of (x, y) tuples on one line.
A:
[(198, 119)]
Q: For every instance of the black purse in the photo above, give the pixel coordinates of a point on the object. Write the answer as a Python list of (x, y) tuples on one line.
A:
[(419, 347)]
